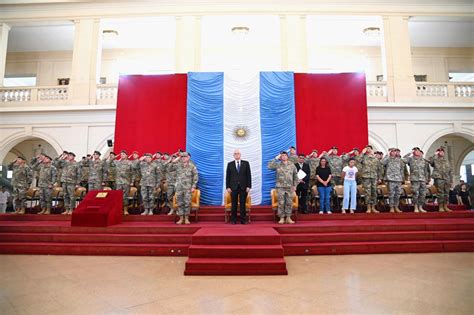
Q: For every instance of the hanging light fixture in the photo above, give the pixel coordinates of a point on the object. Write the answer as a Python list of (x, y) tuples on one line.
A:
[(109, 34), (240, 30), (372, 32)]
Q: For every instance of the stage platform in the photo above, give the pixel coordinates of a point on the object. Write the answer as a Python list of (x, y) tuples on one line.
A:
[(313, 234)]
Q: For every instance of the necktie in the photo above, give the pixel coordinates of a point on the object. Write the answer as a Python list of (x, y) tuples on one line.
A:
[(238, 166)]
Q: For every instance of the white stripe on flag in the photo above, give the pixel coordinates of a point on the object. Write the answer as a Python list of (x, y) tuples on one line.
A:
[(242, 110)]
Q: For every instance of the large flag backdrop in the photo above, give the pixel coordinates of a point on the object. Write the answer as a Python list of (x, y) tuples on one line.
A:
[(210, 114)]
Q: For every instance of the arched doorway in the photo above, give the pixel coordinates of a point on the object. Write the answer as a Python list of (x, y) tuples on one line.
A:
[(28, 149)]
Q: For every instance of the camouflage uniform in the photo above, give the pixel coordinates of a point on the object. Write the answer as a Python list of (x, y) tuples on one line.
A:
[(70, 177), (313, 164), (186, 179), (443, 177), (96, 176), (293, 158), (394, 177), (286, 179), (21, 180), (150, 179), (370, 171), (336, 164), (170, 173), (46, 179), (85, 173), (419, 176), (123, 177), (111, 177)]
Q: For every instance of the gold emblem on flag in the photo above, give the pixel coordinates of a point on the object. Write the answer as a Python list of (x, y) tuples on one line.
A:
[(241, 133)]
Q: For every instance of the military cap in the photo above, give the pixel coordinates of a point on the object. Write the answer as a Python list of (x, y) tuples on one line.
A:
[(184, 154), (148, 154), (397, 149), (21, 158), (440, 149), (71, 153), (88, 155), (315, 151), (97, 152), (113, 153), (301, 155), (334, 148), (158, 152), (355, 149), (369, 146), (124, 151), (416, 149), (47, 156), (135, 152), (283, 152), (292, 147)]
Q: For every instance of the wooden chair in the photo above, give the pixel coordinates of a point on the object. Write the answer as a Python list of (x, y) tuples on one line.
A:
[(32, 197), (339, 196), (382, 196), (360, 197), (57, 198), (433, 193), (315, 198), (407, 193), (133, 197), (195, 203), (228, 206), (294, 209), (79, 194)]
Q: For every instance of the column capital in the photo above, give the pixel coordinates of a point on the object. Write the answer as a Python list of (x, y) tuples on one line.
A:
[(6, 26)]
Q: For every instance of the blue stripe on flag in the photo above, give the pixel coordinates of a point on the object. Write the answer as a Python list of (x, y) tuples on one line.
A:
[(277, 116), (204, 132)]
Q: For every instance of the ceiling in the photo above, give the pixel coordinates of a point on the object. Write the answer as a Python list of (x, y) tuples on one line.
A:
[(160, 32)]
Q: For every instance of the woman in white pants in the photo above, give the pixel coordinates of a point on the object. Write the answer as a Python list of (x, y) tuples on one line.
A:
[(349, 174)]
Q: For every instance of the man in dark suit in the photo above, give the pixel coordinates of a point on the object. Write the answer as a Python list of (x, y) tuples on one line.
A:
[(238, 184), (303, 184)]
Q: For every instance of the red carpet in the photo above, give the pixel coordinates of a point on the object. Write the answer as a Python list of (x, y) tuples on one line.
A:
[(236, 251), (218, 248)]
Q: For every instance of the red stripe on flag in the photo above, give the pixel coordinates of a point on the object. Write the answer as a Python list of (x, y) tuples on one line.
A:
[(151, 113), (331, 109)]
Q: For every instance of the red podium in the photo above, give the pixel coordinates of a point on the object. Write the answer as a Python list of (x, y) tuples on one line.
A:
[(99, 208)]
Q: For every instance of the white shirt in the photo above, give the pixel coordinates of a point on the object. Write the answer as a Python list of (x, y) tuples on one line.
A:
[(350, 173), (4, 196), (236, 162)]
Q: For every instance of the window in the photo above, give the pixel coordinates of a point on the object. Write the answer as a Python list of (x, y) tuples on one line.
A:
[(14, 81), (461, 77), (421, 77)]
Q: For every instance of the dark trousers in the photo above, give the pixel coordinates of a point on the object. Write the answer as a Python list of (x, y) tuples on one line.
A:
[(302, 192), (238, 195)]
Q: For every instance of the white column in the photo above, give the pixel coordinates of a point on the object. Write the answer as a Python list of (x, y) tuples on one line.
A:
[(188, 44), (4, 30), (294, 43), (85, 61), (397, 59)]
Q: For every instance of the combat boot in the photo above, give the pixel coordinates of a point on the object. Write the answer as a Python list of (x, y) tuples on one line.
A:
[(421, 209), (145, 212), (171, 211), (369, 208), (125, 210), (289, 220), (397, 210), (416, 209), (374, 210), (186, 219), (42, 211), (441, 208), (392, 209), (22, 211), (282, 220), (445, 206), (47, 211), (181, 220)]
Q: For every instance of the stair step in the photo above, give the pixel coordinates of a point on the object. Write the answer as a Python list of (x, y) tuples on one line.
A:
[(379, 247), (236, 251), (52, 248), (236, 266), (376, 236)]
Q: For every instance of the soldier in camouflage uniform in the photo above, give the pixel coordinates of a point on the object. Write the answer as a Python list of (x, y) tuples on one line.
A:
[(335, 163), (85, 172), (70, 179), (137, 175), (293, 157), (59, 168), (21, 180), (286, 181), (170, 174), (313, 161), (96, 168), (394, 177), (124, 177), (186, 181), (443, 178), (46, 180), (370, 172), (419, 177), (150, 181), (111, 171)]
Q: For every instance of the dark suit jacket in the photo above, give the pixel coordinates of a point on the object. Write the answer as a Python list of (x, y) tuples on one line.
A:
[(307, 170), (234, 178)]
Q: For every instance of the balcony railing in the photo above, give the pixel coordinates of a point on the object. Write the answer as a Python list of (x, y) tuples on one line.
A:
[(107, 93)]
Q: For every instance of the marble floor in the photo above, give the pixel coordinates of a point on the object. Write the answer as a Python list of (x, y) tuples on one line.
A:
[(356, 284)]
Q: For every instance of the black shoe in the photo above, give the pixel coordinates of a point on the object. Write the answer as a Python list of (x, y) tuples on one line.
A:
[(233, 222), (244, 222)]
